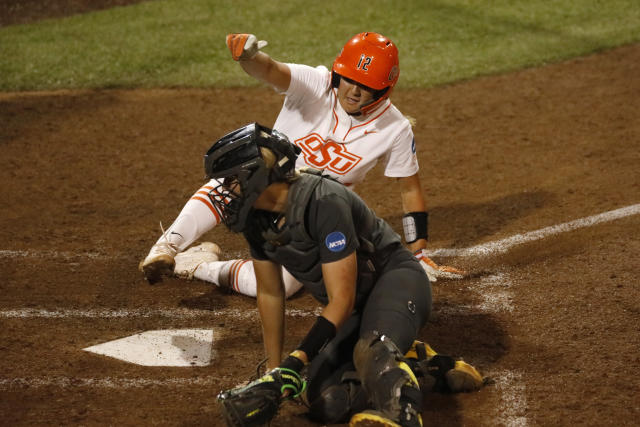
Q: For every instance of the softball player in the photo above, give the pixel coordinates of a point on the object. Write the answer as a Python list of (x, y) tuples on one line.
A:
[(343, 122), (375, 295)]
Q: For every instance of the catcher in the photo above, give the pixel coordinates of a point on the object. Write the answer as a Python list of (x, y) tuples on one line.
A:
[(363, 363)]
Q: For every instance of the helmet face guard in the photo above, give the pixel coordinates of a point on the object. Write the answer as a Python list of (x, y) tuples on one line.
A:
[(236, 162)]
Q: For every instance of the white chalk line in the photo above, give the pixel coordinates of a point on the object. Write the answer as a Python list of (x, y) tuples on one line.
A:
[(512, 389), (177, 313), (111, 383), (501, 246), (496, 297), (53, 254)]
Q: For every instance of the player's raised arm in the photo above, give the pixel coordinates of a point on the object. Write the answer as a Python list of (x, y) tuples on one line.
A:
[(245, 48)]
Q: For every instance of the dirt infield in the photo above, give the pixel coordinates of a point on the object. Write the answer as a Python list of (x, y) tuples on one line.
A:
[(554, 318)]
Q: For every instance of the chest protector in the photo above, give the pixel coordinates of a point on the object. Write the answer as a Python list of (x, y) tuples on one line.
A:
[(298, 252)]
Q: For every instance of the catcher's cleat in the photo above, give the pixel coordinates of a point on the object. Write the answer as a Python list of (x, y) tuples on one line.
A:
[(464, 378), (160, 261), (442, 373), (371, 418), (188, 261)]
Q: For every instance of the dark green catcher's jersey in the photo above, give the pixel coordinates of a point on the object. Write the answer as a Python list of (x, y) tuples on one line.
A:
[(324, 222)]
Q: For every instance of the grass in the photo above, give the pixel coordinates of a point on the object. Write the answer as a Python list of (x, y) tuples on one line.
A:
[(180, 43)]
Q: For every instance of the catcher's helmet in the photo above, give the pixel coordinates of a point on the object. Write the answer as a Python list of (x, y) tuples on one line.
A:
[(236, 162), (371, 60)]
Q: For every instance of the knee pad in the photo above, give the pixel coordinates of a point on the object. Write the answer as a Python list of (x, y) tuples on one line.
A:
[(388, 380)]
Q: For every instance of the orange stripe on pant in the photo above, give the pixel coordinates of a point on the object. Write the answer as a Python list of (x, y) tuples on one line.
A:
[(208, 203)]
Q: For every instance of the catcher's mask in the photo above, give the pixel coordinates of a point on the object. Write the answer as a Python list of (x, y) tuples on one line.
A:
[(236, 162)]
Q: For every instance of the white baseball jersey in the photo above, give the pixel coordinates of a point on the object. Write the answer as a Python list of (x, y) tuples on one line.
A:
[(344, 146)]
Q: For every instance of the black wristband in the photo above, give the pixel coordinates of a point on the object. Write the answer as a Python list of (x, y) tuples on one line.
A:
[(293, 363), (416, 226), (318, 336)]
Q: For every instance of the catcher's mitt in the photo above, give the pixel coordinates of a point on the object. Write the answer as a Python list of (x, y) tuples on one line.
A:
[(257, 402)]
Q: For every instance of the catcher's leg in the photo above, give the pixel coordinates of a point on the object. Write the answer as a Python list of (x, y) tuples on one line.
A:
[(399, 305), (334, 391), (389, 383), (400, 302)]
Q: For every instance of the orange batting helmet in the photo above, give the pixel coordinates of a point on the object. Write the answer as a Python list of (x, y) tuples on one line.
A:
[(371, 60)]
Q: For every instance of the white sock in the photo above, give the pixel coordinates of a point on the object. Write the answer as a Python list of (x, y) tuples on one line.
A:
[(196, 218), (239, 275), (210, 271), (236, 274)]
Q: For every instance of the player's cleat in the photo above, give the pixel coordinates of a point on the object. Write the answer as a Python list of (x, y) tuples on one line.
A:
[(160, 261), (187, 262), (442, 373)]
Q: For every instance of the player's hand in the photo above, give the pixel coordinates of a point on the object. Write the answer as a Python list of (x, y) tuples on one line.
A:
[(244, 46), (435, 271)]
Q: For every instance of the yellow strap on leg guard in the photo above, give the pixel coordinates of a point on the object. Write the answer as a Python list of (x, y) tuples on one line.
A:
[(420, 350)]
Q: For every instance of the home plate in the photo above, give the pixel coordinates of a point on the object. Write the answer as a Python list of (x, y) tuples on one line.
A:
[(170, 347)]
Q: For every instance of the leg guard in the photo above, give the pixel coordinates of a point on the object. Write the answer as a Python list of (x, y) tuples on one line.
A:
[(389, 382)]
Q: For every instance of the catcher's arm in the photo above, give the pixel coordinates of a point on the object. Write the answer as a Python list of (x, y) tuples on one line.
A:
[(270, 300), (340, 278), (257, 402)]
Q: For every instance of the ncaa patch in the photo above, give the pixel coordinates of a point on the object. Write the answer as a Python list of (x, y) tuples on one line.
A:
[(335, 241), (413, 145)]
